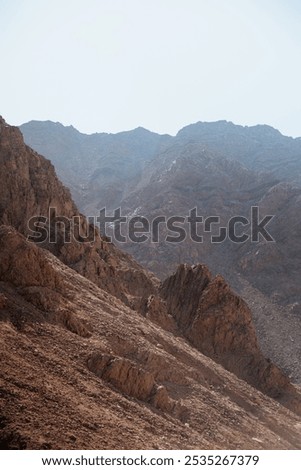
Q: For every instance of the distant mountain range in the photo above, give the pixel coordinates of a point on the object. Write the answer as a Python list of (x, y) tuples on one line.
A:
[(93, 164), (100, 169)]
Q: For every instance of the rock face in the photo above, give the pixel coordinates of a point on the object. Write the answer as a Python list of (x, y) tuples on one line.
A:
[(29, 185), (219, 324), (94, 351), (134, 382)]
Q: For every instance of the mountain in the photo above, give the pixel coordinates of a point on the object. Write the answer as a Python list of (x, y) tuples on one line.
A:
[(97, 353), (260, 148), (187, 177), (93, 164), (220, 169), (99, 168)]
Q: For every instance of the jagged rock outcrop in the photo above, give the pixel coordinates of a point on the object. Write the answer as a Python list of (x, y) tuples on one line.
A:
[(29, 186), (31, 270), (219, 324), (127, 377)]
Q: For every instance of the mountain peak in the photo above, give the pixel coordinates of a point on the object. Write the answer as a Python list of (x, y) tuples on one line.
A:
[(220, 127)]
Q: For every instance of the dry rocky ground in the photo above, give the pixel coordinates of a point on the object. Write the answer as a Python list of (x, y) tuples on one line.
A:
[(79, 369), (283, 341)]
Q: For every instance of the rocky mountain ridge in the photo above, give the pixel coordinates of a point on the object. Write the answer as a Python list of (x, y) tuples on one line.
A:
[(87, 320), (100, 168)]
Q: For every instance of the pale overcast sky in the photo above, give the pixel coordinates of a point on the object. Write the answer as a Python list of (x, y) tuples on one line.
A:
[(112, 65)]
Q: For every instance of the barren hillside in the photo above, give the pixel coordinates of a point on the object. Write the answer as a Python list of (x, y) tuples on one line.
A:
[(97, 353)]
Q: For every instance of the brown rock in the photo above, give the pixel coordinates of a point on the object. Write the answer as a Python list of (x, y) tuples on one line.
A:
[(133, 388), (219, 324), (155, 309)]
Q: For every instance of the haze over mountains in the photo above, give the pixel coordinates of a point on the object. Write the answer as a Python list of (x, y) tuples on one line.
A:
[(97, 353), (223, 170), (220, 168), (86, 160), (100, 168)]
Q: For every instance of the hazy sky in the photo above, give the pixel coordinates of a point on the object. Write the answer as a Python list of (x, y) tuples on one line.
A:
[(112, 65)]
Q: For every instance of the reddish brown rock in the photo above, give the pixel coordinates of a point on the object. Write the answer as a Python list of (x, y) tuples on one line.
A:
[(76, 361), (219, 324), (155, 309)]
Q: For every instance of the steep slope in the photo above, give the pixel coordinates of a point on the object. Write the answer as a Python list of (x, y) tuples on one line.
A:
[(187, 177), (29, 188), (80, 370), (276, 325), (99, 261)]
